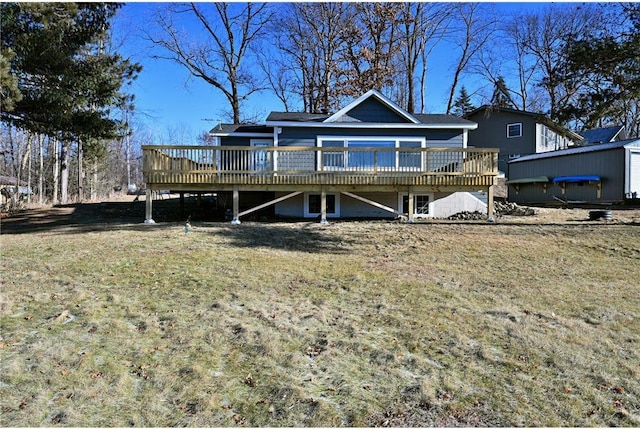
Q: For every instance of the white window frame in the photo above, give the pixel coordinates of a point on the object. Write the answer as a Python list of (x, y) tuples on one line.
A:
[(401, 196), (519, 124), (307, 214), (395, 139)]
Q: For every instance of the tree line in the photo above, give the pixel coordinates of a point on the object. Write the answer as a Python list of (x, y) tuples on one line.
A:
[(65, 102), (578, 63)]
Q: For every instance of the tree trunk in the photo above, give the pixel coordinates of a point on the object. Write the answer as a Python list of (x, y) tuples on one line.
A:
[(56, 169), (41, 171), (80, 173), (64, 173), (94, 188)]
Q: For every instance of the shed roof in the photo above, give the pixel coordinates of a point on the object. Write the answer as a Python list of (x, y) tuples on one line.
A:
[(226, 129), (602, 135), (577, 150)]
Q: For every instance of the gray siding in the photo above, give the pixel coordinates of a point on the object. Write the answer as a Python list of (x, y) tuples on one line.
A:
[(236, 141), (492, 133), (608, 164), (371, 110)]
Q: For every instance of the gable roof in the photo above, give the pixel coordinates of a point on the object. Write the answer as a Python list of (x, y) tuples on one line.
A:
[(539, 117), (342, 119), (602, 135), (381, 99), (580, 149)]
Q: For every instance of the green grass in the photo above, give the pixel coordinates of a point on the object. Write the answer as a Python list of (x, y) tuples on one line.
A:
[(298, 324)]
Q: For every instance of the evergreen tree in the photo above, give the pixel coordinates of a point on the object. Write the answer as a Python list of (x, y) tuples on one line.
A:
[(612, 64), (501, 97), (462, 106), (63, 82)]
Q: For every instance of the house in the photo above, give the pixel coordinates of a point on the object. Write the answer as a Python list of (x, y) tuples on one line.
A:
[(370, 159), (8, 189), (604, 135), (607, 173), (517, 133)]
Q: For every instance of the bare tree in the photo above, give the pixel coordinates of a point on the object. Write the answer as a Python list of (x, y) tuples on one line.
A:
[(221, 59), (544, 36), (422, 26), (372, 47), (312, 36), (474, 30)]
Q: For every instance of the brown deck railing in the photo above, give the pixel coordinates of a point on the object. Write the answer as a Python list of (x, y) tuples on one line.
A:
[(235, 165)]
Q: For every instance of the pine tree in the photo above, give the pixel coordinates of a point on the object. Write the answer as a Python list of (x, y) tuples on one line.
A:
[(65, 84), (612, 64), (462, 106), (501, 97)]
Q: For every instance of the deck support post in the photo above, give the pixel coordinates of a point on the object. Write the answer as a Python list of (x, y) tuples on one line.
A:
[(490, 204), (236, 206), (411, 206), (323, 206), (148, 216)]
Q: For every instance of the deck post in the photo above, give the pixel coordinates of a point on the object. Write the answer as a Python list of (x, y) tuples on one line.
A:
[(148, 217), (236, 206), (411, 206), (323, 206), (490, 203)]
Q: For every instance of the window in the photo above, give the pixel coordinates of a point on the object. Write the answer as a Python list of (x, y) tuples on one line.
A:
[(514, 156), (363, 159), (312, 205), (514, 130), (421, 204)]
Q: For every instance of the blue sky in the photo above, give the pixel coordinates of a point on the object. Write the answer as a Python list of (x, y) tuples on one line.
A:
[(169, 101)]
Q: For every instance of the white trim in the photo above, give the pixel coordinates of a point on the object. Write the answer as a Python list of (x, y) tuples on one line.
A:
[(401, 196), (514, 137), (380, 97), (232, 134), (628, 169), (307, 214), (370, 125)]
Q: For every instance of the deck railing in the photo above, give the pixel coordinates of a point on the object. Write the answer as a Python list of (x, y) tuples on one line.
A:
[(316, 165)]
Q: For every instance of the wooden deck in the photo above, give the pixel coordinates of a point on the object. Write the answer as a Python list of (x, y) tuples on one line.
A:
[(317, 169), (194, 168)]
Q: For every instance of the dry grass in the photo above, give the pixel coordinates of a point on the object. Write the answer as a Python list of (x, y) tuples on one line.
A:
[(298, 324)]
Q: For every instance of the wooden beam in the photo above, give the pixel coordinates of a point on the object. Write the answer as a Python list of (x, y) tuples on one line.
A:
[(148, 216), (411, 205), (236, 205), (323, 206), (490, 202), (276, 201), (373, 203)]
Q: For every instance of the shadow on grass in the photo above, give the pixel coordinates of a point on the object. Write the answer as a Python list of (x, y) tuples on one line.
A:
[(77, 218), (289, 236)]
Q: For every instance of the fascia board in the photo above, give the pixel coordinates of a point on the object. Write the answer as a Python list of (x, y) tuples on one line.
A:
[(241, 134), (370, 126)]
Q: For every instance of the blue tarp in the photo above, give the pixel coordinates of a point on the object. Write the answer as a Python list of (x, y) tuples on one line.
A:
[(576, 179)]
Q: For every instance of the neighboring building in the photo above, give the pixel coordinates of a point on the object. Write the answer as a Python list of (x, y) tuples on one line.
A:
[(517, 133), (370, 159), (603, 135), (607, 173)]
